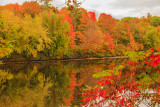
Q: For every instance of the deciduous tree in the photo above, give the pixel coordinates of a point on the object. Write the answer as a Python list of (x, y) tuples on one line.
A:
[(57, 30), (31, 8), (106, 22)]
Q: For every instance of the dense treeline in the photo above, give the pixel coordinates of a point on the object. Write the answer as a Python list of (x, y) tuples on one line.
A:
[(42, 31)]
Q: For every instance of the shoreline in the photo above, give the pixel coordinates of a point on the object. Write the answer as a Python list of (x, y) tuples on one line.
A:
[(71, 59)]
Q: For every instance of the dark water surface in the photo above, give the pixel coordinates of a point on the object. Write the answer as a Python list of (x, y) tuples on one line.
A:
[(58, 84)]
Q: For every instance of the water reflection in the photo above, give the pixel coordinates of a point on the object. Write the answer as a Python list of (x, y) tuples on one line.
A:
[(57, 84), (125, 85), (23, 88)]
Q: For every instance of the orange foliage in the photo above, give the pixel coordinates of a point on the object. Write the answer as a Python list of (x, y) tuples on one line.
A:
[(71, 33), (72, 85), (121, 31), (13, 7), (106, 22), (134, 21), (31, 8), (132, 44), (158, 28), (109, 39), (1, 7), (89, 34)]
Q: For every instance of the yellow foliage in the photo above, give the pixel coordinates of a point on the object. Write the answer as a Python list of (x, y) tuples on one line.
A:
[(26, 34)]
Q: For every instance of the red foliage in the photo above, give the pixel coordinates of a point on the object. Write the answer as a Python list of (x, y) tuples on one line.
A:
[(92, 16), (153, 60), (89, 16), (117, 90), (13, 7), (2, 41), (111, 42)]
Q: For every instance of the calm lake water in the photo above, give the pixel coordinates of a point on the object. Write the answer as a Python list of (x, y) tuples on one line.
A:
[(69, 84)]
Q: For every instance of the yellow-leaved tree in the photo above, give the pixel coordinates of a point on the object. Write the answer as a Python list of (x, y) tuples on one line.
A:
[(7, 24), (34, 35), (57, 29), (25, 34)]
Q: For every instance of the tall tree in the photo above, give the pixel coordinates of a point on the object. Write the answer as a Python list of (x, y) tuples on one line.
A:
[(35, 37), (89, 35), (57, 30), (71, 32), (76, 13), (121, 33), (106, 22)]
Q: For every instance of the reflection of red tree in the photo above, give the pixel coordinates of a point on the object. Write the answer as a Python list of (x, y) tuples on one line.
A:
[(86, 74), (73, 83)]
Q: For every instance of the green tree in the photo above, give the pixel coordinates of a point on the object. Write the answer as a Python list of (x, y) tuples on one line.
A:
[(128, 19), (57, 29), (155, 21), (121, 33), (151, 38)]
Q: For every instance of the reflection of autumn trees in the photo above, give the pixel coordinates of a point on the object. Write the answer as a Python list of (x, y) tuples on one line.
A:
[(121, 87), (23, 88), (36, 86), (71, 88), (58, 82)]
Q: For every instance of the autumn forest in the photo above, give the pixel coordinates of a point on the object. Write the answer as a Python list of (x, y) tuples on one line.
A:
[(42, 32), (44, 51)]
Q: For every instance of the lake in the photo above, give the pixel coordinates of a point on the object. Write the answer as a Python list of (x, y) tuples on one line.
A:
[(76, 84)]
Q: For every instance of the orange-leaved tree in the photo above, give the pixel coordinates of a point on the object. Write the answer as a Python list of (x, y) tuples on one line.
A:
[(31, 8), (89, 35), (106, 22), (71, 32)]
